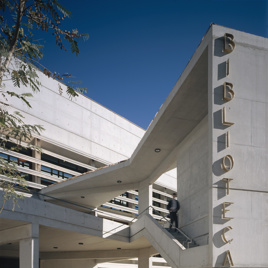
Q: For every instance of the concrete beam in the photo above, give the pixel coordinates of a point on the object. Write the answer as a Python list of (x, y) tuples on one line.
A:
[(109, 191), (62, 218), (68, 263), (96, 254), (15, 234)]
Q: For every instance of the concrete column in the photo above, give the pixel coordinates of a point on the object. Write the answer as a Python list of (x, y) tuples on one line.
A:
[(29, 249), (145, 197), (29, 253), (37, 155), (144, 259)]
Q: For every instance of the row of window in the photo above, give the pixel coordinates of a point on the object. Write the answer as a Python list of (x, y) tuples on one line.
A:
[(44, 169), (55, 173), (62, 175), (61, 163), (120, 202), (126, 204)]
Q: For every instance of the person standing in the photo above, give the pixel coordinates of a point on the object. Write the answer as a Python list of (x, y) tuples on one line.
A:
[(173, 207)]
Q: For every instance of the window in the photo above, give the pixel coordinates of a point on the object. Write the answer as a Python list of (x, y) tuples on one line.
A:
[(156, 204), (20, 162), (46, 182), (61, 163), (27, 177), (55, 173), (120, 202), (156, 195), (14, 147)]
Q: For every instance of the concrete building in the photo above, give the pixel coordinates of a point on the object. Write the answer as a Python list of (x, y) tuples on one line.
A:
[(212, 128)]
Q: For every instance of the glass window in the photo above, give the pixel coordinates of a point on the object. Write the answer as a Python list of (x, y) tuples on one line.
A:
[(66, 175), (156, 204), (120, 202), (125, 194), (55, 172), (62, 163), (46, 169), (4, 156), (17, 148), (156, 195), (24, 163), (46, 182), (27, 177)]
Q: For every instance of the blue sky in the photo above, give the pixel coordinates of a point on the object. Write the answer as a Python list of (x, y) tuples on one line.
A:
[(137, 49)]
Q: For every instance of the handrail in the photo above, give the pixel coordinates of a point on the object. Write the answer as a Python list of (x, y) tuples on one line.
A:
[(188, 239), (35, 193)]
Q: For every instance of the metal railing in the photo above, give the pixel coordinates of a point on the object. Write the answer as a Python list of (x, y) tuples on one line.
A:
[(163, 219), (188, 240)]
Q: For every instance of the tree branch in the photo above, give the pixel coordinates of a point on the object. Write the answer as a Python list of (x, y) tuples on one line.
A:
[(13, 41)]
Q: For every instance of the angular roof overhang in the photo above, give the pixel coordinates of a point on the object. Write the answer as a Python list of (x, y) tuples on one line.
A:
[(184, 108)]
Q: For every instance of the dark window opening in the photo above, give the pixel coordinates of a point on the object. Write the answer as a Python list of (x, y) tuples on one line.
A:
[(55, 172), (156, 204), (46, 182), (14, 147), (156, 195), (19, 162), (120, 202), (61, 163)]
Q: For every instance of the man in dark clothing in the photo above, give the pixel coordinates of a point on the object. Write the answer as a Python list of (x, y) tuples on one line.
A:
[(173, 207)]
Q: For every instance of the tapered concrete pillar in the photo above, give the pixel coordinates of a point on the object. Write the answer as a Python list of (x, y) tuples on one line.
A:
[(145, 198), (144, 259), (29, 249)]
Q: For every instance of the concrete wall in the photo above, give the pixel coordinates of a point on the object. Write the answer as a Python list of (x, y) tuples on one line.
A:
[(80, 123), (248, 110), (193, 183)]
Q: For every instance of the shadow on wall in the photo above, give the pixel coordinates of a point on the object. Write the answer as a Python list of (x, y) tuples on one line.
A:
[(219, 47)]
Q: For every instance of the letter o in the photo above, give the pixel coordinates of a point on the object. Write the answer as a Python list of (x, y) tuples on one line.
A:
[(225, 165)]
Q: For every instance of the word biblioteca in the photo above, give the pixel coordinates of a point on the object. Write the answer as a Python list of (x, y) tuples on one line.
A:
[(228, 160)]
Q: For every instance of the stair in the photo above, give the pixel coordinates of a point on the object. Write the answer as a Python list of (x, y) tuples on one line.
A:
[(166, 243), (177, 234)]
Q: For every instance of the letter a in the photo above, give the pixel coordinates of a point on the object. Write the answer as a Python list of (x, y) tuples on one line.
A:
[(228, 259)]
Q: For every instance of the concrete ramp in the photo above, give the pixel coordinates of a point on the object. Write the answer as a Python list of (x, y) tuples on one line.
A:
[(169, 248)]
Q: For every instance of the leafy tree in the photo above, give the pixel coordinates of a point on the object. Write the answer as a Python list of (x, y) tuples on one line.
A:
[(19, 62)]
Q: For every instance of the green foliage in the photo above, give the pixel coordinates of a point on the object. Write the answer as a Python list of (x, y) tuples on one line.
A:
[(19, 19), (10, 171), (74, 84), (12, 128), (19, 63), (71, 92)]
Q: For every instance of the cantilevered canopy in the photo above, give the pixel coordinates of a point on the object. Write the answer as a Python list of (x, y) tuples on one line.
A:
[(184, 108)]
